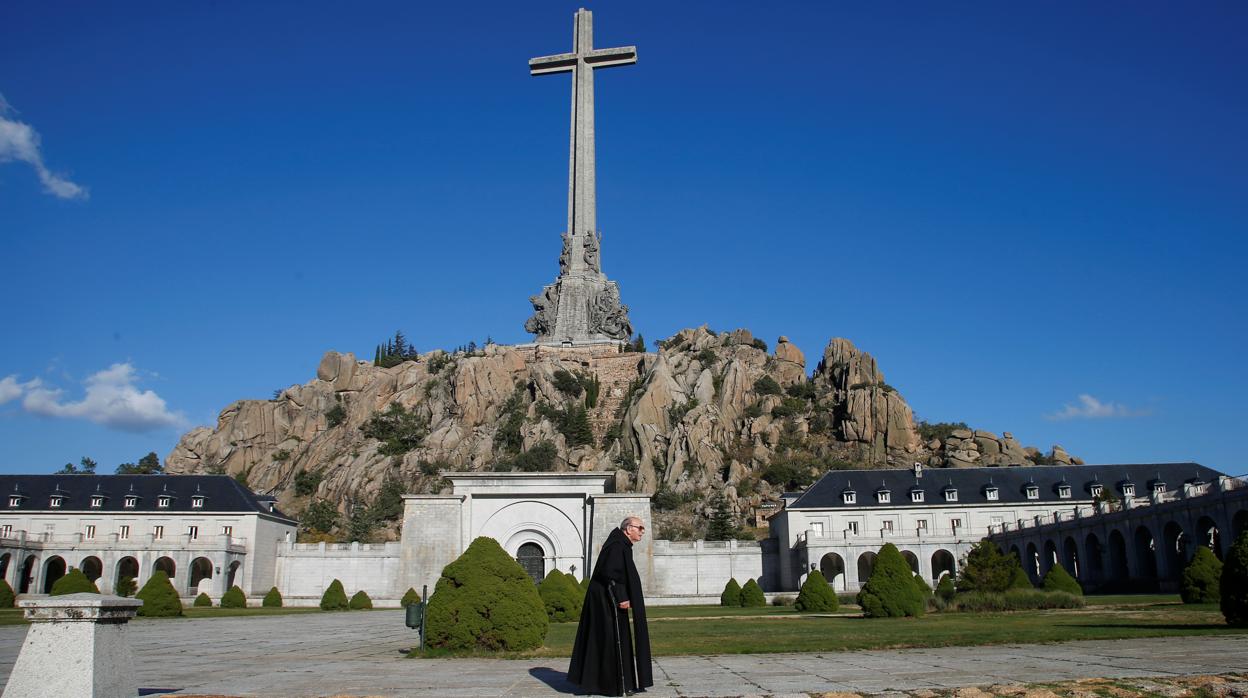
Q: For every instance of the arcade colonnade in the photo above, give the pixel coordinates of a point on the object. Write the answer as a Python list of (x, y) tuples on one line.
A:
[(848, 566)]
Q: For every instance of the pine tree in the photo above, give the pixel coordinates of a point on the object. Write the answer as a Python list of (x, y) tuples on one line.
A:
[(731, 595), (334, 598), (1201, 582), (159, 597), (723, 526), (752, 595), (1234, 583), (816, 595), (74, 582), (409, 598), (1058, 579), (891, 591), (273, 599), (7, 597)]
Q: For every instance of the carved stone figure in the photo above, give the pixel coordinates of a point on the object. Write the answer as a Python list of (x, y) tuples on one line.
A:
[(592, 262), (608, 316), (545, 312)]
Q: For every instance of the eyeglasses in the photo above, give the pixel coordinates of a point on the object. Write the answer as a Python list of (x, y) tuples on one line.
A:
[(638, 527)]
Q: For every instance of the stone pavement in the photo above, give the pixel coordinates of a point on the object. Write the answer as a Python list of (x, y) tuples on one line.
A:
[(362, 654)]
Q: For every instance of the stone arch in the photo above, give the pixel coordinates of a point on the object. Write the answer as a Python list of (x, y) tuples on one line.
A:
[(942, 563), (233, 573), (912, 560), (92, 567), (1118, 572), (1174, 546), (1208, 535), (1050, 557), (201, 571), (5, 560), (532, 558), (1031, 565), (126, 567), (866, 565), (1145, 555), (1094, 567), (29, 565), (832, 566), (1070, 557), (167, 565), (532, 521), (53, 569)]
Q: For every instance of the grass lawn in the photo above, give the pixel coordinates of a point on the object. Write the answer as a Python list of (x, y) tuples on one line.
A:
[(13, 616)]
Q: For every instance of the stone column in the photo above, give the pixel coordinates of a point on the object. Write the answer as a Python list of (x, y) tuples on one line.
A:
[(76, 647)]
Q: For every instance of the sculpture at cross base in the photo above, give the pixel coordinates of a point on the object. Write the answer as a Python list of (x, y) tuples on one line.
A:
[(582, 306)]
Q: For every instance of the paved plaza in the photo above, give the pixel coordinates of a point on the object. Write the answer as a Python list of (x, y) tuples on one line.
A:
[(322, 654)]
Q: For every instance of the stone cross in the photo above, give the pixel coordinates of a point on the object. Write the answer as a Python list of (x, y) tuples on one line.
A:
[(582, 232)]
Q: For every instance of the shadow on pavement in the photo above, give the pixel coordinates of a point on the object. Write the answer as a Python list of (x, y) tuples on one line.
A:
[(558, 680)]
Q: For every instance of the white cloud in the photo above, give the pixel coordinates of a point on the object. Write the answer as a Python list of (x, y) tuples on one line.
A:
[(111, 400), (10, 389), (1091, 408), (20, 142)]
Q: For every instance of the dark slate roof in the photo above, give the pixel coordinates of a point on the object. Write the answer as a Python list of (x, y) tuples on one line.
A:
[(221, 493), (1011, 483)]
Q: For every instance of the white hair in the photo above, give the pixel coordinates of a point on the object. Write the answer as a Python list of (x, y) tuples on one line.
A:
[(627, 519)]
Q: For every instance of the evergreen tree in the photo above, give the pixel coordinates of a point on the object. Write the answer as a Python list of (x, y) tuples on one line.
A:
[(202, 601), (1018, 578), (7, 597), (159, 597), (1202, 578), (147, 465), (1234, 583), (234, 598), (125, 586), (723, 526), (816, 595), (360, 601), (74, 582), (945, 588), (891, 591), (985, 569), (561, 597), (334, 598), (731, 595), (409, 598), (485, 600), (273, 599), (752, 595), (1058, 579)]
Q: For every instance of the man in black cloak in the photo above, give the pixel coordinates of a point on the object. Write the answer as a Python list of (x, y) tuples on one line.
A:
[(614, 588)]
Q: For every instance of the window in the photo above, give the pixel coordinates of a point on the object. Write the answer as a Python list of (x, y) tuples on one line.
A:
[(955, 524), (55, 502), (197, 502), (1096, 490), (853, 527), (1063, 491), (192, 532), (951, 495), (817, 529), (849, 497), (123, 531), (1128, 490), (991, 493), (1033, 492), (158, 532), (131, 501), (888, 525), (6, 530), (998, 520), (15, 501), (97, 501), (227, 530), (90, 532), (922, 524), (884, 496), (916, 495), (163, 501), (1159, 488)]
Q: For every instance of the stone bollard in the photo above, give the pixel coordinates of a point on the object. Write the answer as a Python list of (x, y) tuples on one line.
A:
[(76, 647)]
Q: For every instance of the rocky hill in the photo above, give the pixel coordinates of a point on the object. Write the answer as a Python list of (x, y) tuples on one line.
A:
[(707, 413)]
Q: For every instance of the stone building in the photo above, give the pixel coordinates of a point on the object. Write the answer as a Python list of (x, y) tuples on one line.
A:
[(207, 532)]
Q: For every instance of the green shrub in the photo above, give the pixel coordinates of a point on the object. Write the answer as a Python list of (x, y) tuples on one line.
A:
[(398, 430), (334, 598), (567, 383), (1058, 579), (485, 600), (816, 595), (1015, 600), (409, 597), (1234, 583), (584, 585), (159, 597), (1202, 578), (891, 592), (767, 386), (234, 598), (945, 589), (1018, 578), (783, 600), (306, 481), (561, 596), (125, 586), (202, 601), (731, 595), (360, 601), (752, 595), (925, 589), (7, 597), (985, 568), (273, 599), (74, 582)]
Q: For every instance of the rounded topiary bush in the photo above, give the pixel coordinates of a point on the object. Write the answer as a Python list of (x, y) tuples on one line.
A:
[(125, 586), (202, 601), (159, 597), (360, 601), (562, 597), (74, 582), (891, 591), (485, 600), (334, 598), (1058, 579), (731, 595), (816, 595), (7, 597), (1202, 578), (409, 597), (1234, 583), (752, 595), (945, 589), (273, 599), (234, 598)]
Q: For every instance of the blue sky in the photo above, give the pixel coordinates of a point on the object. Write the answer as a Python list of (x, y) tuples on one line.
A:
[(1032, 216)]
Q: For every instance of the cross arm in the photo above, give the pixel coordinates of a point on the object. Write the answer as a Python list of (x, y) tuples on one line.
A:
[(607, 57), (559, 63)]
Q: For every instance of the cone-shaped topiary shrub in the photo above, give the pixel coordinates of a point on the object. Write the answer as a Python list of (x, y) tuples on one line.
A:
[(234, 598), (1202, 578), (361, 601), (752, 595), (273, 599), (7, 597), (409, 597), (731, 595), (925, 590), (584, 586), (816, 595), (159, 597), (1234, 583), (125, 586), (74, 582), (202, 601), (562, 597), (985, 569), (1058, 579), (891, 591), (334, 598), (485, 600), (945, 588), (1019, 578)]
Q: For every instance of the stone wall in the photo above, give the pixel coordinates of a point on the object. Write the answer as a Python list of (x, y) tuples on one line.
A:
[(304, 571), (702, 568)]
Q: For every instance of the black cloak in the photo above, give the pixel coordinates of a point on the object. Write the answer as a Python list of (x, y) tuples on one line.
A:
[(595, 664)]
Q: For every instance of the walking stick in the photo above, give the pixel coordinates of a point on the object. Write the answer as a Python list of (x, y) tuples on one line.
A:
[(615, 621)]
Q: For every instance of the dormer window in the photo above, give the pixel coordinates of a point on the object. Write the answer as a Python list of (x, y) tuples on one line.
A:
[(916, 495), (1063, 491), (883, 496), (991, 493), (1096, 490), (163, 501), (15, 500), (1128, 489), (197, 502), (951, 494), (1032, 491), (55, 501), (1159, 487), (97, 501), (849, 497), (131, 501)]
